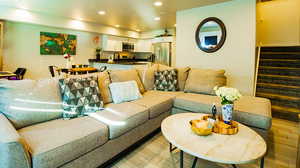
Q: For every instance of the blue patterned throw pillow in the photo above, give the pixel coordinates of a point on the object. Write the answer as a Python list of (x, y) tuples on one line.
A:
[(80, 96), (166, 80)]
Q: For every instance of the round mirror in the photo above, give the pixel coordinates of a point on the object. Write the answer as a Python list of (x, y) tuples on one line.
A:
[(210, 34)]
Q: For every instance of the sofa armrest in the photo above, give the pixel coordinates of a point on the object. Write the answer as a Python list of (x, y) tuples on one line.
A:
[(13, 152)]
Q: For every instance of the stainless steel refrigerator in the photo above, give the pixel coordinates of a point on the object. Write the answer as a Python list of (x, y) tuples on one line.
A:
[(162, 53)]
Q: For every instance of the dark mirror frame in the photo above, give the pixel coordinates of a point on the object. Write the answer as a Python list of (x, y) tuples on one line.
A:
[(223, 38)]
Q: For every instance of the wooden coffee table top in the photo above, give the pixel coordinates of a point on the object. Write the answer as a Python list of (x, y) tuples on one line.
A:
[(244, 147)]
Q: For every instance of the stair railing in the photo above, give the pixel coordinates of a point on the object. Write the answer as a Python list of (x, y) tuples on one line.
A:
[(258, 49)]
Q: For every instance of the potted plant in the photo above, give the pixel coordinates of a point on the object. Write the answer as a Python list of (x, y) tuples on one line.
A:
[(98, 53), (228, 96)]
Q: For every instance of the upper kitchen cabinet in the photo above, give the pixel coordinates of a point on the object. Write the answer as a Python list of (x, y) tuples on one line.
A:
[(144, 45), (111, 43)]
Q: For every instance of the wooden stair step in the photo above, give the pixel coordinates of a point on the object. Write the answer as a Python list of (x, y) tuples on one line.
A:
[(277, 96), (279, 60), (280, 53), (279, 68), (286, 109), (280, 76), (278, 85)]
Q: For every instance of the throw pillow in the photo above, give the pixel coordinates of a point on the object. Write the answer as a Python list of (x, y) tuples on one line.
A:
[(80, 96), (166, 80), (182, 77), (124, 91), (28, 102), (182, 74), (147, 76), (127, 75), (204, 80), (103, 82)]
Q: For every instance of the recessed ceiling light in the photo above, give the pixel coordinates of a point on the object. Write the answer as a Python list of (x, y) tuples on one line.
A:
[(101, 12), (157, 18), (117, 25), (158, 3)]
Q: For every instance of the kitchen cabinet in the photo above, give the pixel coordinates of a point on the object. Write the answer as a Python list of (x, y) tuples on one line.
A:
[(144, 45), (111, 43)]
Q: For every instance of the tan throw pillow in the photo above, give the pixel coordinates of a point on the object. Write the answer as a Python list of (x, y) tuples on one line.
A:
[(204, 80), (162, 67), (127, 75), (182, 77), (147, 76), (103, 83)]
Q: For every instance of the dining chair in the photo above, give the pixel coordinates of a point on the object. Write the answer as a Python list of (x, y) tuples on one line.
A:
[(53, 70), (20, 72)]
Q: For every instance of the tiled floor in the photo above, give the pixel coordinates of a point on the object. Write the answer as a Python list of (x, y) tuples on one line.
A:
[(155, 152)]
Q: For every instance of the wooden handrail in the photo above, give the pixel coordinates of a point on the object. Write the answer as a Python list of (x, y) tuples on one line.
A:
[(256, 68)]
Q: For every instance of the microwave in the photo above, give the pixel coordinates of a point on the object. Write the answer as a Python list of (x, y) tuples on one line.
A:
[(129, 47)]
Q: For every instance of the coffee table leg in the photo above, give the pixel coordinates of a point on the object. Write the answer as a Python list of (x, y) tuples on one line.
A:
[(195, 162), (181, 159), (262, 162)]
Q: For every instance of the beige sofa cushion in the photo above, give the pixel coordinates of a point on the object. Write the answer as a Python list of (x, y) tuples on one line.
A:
[(29, 102), (147, 76), (252, 111), (103, 82), (204, 80), (127, 75), (121, 118), (156, 103), (57, 142)]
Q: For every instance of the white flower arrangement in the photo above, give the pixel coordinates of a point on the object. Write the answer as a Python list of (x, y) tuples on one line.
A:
[(228, 95)]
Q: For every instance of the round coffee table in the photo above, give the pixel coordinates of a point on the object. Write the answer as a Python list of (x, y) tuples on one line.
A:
[(244, 147)]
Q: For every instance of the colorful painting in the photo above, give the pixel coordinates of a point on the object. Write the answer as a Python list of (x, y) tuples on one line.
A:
[(57, 44)]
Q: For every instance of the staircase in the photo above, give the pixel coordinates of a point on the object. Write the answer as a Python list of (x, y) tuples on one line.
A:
[(279, 80)]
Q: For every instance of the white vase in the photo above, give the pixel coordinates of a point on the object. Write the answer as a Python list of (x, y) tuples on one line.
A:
[(227, 110), (68, 64)]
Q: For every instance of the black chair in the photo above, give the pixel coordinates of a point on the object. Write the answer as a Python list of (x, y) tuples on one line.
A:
[(20, 72), (102, 69), (52, 70)]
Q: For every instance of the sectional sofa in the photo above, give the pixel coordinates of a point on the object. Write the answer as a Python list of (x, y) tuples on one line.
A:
[(33, 134)]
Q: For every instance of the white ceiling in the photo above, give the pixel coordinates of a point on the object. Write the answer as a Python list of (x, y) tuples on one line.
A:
[(129, 14)]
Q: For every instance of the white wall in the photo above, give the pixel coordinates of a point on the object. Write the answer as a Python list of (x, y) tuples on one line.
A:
[(22, 49), (237, 56), (278, 23)]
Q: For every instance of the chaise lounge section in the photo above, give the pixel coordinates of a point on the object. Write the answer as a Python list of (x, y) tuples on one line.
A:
[(91, 141)]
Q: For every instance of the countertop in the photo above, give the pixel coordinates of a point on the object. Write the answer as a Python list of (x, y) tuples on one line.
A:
[(122, 61)]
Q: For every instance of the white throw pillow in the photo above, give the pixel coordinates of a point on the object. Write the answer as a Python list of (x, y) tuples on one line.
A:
[(124, 91)]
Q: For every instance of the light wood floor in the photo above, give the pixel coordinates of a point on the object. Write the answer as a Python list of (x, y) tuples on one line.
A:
[(155, 153)]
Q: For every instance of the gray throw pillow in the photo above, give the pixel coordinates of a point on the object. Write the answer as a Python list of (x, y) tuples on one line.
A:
[(166, 80), (80, 96)]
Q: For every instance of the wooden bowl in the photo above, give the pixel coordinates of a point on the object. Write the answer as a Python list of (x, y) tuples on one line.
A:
[(227, 129), (200, 131), (220, 127)]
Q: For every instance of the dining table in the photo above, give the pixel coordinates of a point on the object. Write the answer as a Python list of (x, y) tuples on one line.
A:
[(77, 70)]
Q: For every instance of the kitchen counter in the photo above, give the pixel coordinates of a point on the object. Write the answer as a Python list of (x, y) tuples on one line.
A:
[(120, 64)]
